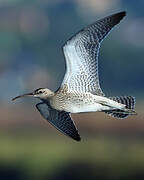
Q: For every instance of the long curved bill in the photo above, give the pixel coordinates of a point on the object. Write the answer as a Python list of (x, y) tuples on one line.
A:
[(23, 95)]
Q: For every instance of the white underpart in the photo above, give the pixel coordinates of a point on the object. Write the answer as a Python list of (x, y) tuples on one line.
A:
[(96, 103)]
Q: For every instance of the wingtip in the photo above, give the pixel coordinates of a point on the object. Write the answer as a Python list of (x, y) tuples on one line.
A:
[(121, 14), (77, 138), (118, 17)]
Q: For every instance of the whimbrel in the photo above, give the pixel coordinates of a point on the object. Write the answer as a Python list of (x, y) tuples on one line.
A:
[(80, 90)]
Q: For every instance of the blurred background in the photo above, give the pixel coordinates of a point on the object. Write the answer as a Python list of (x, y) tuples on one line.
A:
[(32, 33)]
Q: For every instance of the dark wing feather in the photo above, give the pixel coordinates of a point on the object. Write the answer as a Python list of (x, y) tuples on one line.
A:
[(61, 120)]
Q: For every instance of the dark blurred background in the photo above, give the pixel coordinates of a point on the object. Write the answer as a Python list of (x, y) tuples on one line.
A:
[(32, 33)]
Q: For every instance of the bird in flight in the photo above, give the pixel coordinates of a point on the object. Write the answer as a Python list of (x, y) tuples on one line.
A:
[(80, 90)]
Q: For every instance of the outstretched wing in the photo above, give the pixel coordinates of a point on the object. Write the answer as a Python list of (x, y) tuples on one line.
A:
[(61, 120), (81, 54)]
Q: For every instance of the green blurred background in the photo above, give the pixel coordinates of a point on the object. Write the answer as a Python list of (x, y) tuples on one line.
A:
[(32, 33)]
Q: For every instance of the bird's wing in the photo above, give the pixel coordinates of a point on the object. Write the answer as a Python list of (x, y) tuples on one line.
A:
[(81, 54), (61, 120)]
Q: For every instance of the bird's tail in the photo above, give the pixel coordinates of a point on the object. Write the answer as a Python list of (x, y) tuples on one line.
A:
[(129, 101)]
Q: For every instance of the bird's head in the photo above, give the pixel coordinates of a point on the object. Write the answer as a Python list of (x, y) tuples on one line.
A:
[(41, 93)]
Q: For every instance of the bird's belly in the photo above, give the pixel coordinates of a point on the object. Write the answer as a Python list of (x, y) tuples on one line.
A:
[(86, 108), (84, 103)]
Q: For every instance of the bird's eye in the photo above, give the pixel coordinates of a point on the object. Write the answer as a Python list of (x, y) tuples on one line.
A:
[(40, 92)]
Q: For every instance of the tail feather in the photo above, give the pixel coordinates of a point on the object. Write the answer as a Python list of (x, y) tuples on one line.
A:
[(129, 101)]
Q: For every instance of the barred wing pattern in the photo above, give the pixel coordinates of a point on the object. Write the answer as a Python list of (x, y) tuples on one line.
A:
[(81, 54), (61, 120)]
